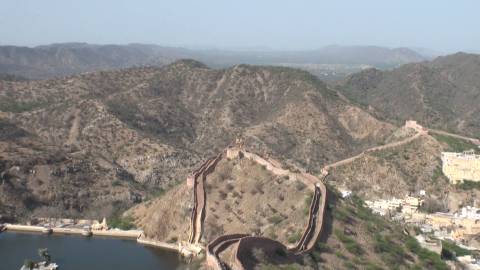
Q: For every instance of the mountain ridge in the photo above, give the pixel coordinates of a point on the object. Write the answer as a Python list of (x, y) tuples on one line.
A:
[(443, 93), (63, 59)]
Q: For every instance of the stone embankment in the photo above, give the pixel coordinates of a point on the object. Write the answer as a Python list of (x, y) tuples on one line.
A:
[(132, 234), (158, 244), (244, 243)]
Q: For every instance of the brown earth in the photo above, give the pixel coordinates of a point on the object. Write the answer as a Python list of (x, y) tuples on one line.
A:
[(149, 126), (241, 197)]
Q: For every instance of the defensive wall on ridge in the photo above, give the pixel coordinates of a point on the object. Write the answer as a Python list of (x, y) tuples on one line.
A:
[(245, 242)]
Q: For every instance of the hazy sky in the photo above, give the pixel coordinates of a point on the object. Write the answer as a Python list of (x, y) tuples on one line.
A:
[(444, 25)]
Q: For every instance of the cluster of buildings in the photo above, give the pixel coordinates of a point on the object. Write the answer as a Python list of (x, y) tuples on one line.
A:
[(458, 227), (455, 226), (396, 207)]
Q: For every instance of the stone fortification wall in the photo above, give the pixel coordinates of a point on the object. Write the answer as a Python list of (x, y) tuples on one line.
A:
[(217, 246), (199, 177), (245, 243), (245, 246)]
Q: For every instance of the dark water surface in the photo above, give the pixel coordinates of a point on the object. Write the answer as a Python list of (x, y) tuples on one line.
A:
[(82, 253)]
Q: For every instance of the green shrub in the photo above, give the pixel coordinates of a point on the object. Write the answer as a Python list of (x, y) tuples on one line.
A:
[(350, 244), (116, 183), (428, 259), (293, 238), (340, 255), (392, 253), (300, 186), (308, 201), (9, 105), (275, 219), (450, 247), (468, 185), (349, 265), (437, 172), (455, 144), (172, 240), (119, 222), (340, 214)]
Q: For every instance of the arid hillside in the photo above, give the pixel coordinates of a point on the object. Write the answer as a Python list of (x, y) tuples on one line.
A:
[(443, 93), (406, 170), (244, 197), (148, 127)]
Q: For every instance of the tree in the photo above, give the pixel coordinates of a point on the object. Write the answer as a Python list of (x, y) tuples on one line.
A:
[(29, 264), (43, 252)]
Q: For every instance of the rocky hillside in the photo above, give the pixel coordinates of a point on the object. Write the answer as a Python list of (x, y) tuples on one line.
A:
[(147, 128), (443, 93), (405, 170), (243, 197), (355, 238)]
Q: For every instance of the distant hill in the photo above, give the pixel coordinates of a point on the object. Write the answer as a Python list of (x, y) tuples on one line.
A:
[(9, 77), (57, 60), (443, 93), (72, 58)]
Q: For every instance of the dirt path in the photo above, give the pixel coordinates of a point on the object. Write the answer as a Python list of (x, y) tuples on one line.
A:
[(473, 140), (75, 129), (424, 132), (373, 149)]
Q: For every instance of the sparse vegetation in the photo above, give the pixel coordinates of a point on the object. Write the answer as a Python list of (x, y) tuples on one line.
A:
[(120, 222), (450, 251), (455, 144), (432, 205), (294, 237), (308, 201), (428, 259), (392, 253), (437, 173), (300, 185), (9, 105), (350, 244), (275, 219), (172, 240), (468, 185)]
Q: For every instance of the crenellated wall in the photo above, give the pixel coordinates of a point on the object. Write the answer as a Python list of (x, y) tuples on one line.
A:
[(199, 177)]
